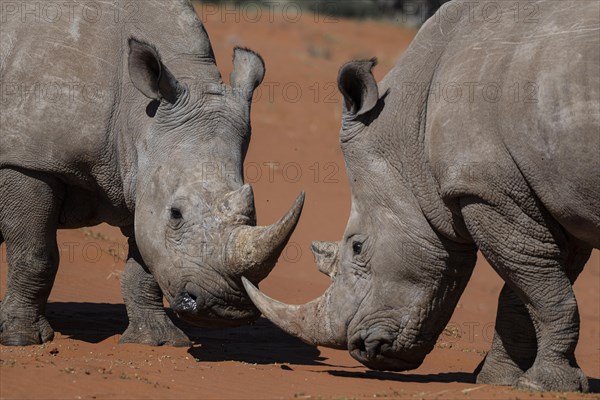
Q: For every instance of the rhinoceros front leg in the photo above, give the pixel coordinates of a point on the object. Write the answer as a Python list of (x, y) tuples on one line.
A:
[(148, 322), (30, 205), (530, 252), (514, 346), (513, 349)]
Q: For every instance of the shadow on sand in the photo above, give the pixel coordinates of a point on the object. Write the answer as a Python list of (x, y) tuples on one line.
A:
[(88, 322), (261, 343), (461, 377), (448, 377)]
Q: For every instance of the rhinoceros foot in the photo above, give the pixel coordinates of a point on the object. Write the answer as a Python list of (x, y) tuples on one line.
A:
[(494, 370), (16, 330), (155, 330), (552, 377)]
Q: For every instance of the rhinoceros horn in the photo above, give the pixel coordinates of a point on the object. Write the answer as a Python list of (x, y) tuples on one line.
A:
[(254, 250), (311, 322)]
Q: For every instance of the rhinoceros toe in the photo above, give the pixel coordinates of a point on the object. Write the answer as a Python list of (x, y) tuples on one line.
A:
[(494, 370), (556, 378), (14, 332)]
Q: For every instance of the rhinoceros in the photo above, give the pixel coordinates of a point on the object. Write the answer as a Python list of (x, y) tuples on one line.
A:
[(511, 168), (120, 115)]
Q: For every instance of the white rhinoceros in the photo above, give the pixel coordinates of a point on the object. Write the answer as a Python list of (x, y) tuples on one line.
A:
[(117, 113), (509, 165)]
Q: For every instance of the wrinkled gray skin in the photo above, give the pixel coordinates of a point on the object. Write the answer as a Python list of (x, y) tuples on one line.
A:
[(158, 154), (433, 181)]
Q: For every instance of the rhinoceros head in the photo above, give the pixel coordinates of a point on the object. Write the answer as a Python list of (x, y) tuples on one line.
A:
[(195, 223), (395, 281)]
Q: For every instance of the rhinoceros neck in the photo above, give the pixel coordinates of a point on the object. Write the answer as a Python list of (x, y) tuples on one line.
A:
[(406, 89), (184, 46)]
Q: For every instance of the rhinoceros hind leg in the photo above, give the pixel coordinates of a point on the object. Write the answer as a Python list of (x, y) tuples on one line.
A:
[(28, 221), (148, 322), (531, 252), (514, 345)]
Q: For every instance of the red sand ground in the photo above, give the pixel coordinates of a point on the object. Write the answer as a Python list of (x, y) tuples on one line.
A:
[(298, 132)]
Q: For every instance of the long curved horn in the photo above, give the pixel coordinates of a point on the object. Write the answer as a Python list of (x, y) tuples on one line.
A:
[(311, 322), (257, 248)]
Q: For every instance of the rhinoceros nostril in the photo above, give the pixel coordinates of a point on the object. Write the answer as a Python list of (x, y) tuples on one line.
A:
[(370, 347), (373, 348), (361, 347), (185, 303), (357, 346)]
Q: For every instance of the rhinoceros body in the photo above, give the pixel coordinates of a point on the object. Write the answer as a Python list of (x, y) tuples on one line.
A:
[(484, 136), (117, 113)]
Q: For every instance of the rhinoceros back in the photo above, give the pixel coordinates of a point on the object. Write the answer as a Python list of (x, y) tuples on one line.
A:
[(520, 93), (59, 80), (67, 101)]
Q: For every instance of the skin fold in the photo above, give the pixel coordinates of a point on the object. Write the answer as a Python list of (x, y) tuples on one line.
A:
[(436, 176)]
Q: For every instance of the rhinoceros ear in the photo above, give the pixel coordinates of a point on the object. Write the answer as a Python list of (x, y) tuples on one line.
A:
[(248, 71), (358, 85), (148, 74)]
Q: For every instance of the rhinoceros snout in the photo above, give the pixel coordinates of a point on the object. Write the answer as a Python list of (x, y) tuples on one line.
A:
[(376, 353)]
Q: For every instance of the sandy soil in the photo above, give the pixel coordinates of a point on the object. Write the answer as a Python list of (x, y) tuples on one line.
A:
[(295, 126)]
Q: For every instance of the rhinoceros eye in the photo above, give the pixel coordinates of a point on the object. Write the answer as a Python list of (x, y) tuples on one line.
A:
[(357, 248), (176, 213)]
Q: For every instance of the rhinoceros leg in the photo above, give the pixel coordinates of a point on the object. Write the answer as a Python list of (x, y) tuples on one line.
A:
[(148, 322), (28, 221), (514, 347), (531, 253)]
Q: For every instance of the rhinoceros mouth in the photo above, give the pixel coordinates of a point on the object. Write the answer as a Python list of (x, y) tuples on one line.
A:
[(383, 363), (216, 322), (377, 351), (194, 311)]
